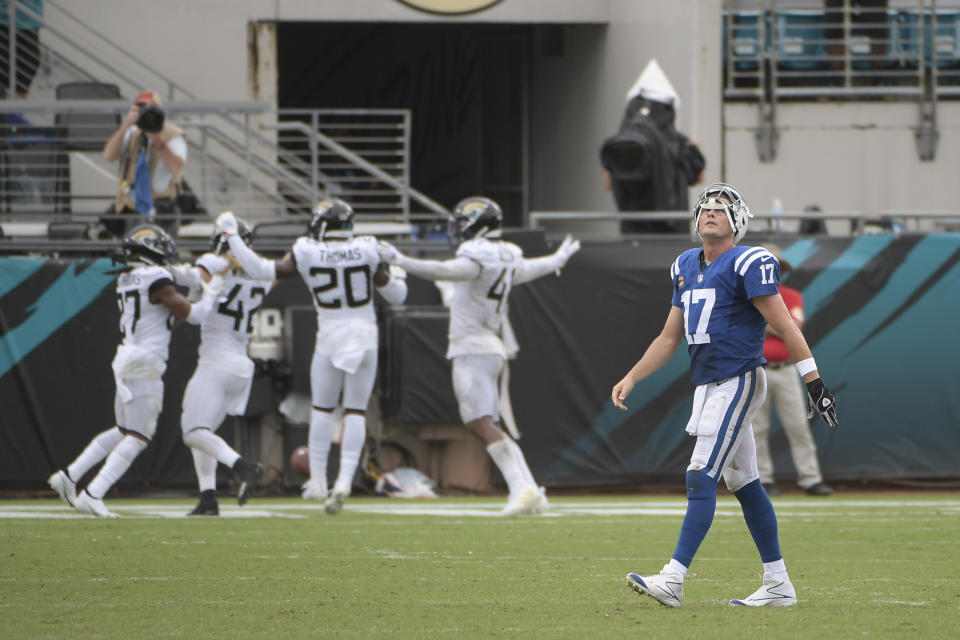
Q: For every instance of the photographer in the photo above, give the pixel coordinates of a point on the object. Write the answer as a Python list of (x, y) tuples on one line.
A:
[(151, 154)]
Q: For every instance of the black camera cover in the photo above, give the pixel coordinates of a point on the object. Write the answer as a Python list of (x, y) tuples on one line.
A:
[(150, 119)]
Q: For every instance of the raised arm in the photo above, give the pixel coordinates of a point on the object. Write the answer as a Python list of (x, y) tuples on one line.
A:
[(533, 268), (456, 269), (657, 354), (257, 267)]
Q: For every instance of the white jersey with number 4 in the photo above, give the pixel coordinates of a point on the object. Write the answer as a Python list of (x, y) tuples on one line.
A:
[(226, 331), (339, 274), (480, 304)]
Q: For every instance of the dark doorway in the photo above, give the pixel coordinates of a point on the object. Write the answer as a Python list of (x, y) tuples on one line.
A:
[(464, 85)]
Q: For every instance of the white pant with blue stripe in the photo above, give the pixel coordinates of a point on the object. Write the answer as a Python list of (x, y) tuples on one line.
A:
[(722, 422)]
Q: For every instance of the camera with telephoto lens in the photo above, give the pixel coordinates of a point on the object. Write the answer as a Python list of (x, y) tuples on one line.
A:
[(150, 119)]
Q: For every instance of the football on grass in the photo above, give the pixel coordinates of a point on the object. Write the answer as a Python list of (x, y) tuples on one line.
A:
[(300, 461)]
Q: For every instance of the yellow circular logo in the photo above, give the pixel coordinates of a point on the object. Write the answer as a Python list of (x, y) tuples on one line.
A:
[(450, 7)]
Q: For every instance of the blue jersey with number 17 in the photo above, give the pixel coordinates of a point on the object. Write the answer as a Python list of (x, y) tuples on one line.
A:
[(724, 330)]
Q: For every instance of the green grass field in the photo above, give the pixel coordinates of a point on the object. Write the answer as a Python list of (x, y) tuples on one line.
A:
[(864, 566)]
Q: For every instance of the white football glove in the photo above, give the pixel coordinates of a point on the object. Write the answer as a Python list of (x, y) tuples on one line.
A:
[(227, 223), (398, 272), (388, 252), (568, 247)]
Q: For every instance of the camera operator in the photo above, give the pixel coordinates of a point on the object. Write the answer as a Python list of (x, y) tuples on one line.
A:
[(151, 154)]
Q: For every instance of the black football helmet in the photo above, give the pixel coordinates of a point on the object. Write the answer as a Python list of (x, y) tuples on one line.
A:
[(332, 218), (148, 243), (218, 242), (476, 217), (720, 195)]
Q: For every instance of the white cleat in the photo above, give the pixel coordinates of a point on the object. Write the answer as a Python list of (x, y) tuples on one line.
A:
[(543, 506), (64, 486), (94, 506), (523, 503), (773, 593), (666, 587), (334, 503), (314, 490)]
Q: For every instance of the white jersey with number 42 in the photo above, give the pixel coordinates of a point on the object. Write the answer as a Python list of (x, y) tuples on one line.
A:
[(227, 330)]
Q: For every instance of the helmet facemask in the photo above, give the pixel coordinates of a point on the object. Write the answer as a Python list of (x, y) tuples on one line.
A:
[(722, 196)]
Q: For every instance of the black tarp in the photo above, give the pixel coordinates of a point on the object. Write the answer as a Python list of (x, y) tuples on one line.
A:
[(881, 312)]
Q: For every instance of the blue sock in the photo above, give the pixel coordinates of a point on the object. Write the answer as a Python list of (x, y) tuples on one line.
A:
[(761, 520), (701, 505)]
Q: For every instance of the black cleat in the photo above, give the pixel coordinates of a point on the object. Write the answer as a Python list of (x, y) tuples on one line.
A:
[(249, 472), (208, 504), (819, 489)]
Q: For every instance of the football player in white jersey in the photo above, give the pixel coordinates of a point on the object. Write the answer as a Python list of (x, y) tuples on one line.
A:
[(723, 297), (342, 271), (220, 386), (150, 306), (484, 270)]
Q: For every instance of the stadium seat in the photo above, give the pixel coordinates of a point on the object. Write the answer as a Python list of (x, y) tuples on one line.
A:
[(945, 42), (87, 131), (745, 43), (800, 41)]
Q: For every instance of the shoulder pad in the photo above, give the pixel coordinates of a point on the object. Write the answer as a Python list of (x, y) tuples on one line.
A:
[(750, 256)]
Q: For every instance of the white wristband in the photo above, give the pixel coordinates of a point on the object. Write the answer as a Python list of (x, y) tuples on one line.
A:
[(806, 366)]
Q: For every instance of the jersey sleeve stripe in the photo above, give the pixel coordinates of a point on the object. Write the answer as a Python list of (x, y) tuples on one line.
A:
[(675, 269), (746, 254), (763, 253)]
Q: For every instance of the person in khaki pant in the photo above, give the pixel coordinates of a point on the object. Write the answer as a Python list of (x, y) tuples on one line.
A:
[(786, 393)]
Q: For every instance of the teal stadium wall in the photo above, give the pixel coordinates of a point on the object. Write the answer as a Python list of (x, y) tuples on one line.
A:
[(881, 312)]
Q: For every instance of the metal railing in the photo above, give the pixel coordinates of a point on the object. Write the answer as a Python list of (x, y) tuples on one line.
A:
[(254, 161), (606, 224), (798, 49), (51, 161)]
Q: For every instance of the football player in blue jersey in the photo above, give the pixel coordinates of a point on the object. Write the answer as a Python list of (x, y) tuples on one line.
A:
[(723, 297)]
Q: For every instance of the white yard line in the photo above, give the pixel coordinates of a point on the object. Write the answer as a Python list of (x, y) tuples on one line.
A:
[(725, 508)]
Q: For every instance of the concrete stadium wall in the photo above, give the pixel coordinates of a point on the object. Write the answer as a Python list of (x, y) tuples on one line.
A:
[(843, 156)]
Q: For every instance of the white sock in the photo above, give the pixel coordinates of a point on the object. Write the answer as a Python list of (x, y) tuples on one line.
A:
[(524, 469), (351, 446), (678, 568), (98, 449), (505, 459), (206, 467), (318, 441), (116, 465), (776, 569), (208, 442)]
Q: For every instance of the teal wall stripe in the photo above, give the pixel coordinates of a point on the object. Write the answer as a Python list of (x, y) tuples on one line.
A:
[(819, 293), (611, 418), (15, 269), (66, 297)]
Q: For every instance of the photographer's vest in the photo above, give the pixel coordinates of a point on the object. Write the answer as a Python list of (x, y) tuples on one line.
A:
[(128, 168)]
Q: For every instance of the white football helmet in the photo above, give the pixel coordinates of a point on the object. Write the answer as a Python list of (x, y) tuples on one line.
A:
[(720, 195)]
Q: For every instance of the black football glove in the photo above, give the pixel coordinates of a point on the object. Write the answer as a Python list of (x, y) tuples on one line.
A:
[(820, 402)]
